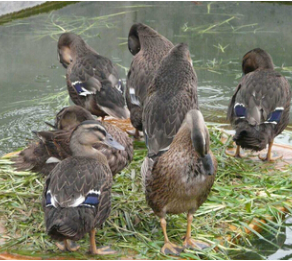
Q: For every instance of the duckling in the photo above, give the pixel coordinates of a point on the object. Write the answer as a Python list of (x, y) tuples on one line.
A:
[(259, 108), (181, 178), (54, 146), (77, 194), (92, 79), (171, 95), (148, 48)]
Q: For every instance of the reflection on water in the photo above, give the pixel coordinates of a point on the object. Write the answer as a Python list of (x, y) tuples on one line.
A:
[(218, 34)]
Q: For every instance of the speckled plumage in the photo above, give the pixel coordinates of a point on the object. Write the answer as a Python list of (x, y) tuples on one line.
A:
[(260, 92), (92, 79), (178, 181), (71, 178), (171, 95), (148, 48), (56, 144)]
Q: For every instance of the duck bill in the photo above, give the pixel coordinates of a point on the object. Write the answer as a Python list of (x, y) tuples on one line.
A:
[(109, 140)]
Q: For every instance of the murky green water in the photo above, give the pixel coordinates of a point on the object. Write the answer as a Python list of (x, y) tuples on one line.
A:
[(218, 34)]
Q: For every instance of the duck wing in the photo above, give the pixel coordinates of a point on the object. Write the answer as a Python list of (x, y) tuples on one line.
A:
[(262, 97)]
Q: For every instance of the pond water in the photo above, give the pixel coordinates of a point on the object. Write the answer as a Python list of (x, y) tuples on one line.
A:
[(218, 34)]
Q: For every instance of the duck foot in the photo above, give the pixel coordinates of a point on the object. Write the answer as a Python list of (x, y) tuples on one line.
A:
[(68, 245), (269, 158), (195, 244), (171, 249), (102, 251)]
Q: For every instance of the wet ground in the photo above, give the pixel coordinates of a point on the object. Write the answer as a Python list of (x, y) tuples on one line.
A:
[(219, 34)]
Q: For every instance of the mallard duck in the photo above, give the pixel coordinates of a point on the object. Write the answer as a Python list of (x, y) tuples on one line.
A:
[(259, 108), (77, 194), (180, 179), (54, 146), (171, 95), (148, 48), (92, 79)]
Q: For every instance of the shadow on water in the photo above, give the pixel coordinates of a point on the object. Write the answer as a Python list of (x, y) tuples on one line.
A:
[(218, 34)]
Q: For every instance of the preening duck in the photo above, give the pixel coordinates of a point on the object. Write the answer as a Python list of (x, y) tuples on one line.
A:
[(77, 194), (180, 179), (259, 108), (54, 146), (148, 48), (172, 93), (92, 79)]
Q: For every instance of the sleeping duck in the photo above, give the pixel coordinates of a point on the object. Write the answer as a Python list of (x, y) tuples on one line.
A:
[(180, 179), (53, 146), (148, 48), (92, 79), (259, 108), (77, 194), (171, 95)]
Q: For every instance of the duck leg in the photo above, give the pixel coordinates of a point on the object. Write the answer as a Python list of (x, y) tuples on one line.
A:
[(269, 154), (98, 251), (237, 152), (189, 242), (67, 245), (168, 247)]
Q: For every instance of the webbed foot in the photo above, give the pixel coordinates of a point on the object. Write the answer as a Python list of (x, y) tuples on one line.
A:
[(68, 245), (171, 249), (195, 244), (236, 154), (102, 251), (269, 157)]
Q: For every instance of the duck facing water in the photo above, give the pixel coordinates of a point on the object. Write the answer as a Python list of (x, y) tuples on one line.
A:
[(77, 194), (148, 48), (259, 108), (180, 179), (92, 79)]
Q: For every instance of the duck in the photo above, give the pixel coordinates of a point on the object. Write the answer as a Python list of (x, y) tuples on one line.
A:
[(259, 108), (54, 145), (92, 80), (172, 93), (77, 194), (179, 180), (148, 48)]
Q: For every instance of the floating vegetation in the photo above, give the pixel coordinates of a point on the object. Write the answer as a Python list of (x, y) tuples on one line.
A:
[(244, 192), (87, 27)]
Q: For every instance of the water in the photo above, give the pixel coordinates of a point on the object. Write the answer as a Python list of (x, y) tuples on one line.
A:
[(218, 34)]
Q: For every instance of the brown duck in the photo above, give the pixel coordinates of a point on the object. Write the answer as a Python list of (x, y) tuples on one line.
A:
[(148, 48), (92, 80), (259, 108), (180, 179), (77, 193), (172, 93), (54, 146)]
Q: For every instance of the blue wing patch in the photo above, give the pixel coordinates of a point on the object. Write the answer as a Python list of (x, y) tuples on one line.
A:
[(275, 116), (240, 110), (92, 199), (48, 199), (80, 88)]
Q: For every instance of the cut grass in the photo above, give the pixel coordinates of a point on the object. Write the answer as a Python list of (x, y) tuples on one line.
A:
[(243, 191)]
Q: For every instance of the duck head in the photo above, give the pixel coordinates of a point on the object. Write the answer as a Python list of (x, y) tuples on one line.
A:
[(200, 141), (88, 133), (255, 59), (71, 116), (67, 47)]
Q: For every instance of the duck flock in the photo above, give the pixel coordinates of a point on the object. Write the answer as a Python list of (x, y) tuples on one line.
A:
[(81, 155)]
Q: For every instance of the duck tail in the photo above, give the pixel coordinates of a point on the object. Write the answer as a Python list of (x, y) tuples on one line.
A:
[(252, 137), (62, 226)]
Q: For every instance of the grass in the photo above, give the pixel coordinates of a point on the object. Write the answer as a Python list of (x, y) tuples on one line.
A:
[(243, 191)]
